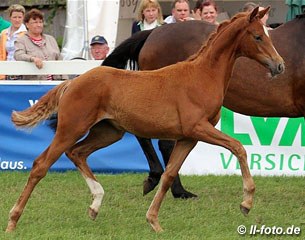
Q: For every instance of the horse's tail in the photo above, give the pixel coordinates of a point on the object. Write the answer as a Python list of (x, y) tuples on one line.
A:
[(127, 50), (42, 110)]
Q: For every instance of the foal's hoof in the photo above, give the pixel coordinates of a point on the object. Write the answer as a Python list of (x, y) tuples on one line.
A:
[(10, 227), (92, 213), (154, 225), (244, 210), (184, 195), (149, 184)]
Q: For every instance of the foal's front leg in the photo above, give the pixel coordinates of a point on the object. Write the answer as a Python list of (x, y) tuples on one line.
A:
[(166, 147), (180, 152), (207, 133)]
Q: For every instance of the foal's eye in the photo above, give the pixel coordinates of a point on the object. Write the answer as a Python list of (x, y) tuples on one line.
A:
[(258, 38)]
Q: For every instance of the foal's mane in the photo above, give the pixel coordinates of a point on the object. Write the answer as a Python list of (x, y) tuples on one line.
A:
[(213, 35)]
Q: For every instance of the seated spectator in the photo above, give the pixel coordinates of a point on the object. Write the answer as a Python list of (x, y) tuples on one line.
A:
[(180, 12), (36, 47), (99, 48), (149, 16), (9, 36)]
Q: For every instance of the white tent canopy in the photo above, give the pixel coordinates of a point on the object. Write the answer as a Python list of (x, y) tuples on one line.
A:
[(85, 19)]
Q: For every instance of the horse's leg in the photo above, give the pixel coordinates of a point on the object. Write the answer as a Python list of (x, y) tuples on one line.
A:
[(101, 135), (39, 170), (180, 152), (155, 167), (207, 133), (166, 147)]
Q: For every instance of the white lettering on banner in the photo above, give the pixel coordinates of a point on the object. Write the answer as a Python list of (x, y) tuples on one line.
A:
[(32, 102), (269, 162), (11, 165)]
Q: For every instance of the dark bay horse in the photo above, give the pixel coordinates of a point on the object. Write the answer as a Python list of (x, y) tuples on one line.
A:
[(249, 93), (107, 102)]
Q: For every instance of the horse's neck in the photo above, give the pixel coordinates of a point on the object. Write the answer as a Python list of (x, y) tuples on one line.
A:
[(220, 54)]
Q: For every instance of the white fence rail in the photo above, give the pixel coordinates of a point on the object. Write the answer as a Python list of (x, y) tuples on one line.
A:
[(49, 67)]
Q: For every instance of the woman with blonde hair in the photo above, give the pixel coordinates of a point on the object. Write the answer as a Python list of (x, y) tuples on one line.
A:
[(8, 36), (149, 16)]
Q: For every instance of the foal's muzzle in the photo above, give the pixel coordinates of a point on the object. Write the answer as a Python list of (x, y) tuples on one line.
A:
[(280, 68), (276, 67)]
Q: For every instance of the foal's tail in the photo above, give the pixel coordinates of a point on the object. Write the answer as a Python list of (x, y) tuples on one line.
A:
[(127, 50), (42, 110)]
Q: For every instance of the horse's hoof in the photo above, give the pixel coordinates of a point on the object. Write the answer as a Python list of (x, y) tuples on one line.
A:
[(184, 195), (155, 225), (157, 229), (244, 210), (10, 227), (92, 213), (149, 184)]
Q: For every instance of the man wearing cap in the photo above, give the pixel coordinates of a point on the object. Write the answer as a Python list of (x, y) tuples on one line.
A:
[(99, 48)]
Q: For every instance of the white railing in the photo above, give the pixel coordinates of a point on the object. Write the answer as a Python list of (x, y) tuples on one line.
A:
[(73, 67)]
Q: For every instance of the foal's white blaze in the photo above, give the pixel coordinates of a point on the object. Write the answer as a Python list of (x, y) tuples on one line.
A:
[(266, 30), (267, 33), (97, 192)]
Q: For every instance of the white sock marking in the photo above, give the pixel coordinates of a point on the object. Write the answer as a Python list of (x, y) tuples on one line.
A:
[(97, 193)]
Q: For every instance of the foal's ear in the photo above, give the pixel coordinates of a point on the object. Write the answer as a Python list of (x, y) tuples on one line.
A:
[(253, 14), (262, 13)]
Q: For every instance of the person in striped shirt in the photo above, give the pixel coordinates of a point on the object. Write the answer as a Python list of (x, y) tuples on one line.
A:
[(36, 46)]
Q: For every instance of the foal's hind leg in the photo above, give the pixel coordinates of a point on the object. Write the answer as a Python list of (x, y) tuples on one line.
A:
[(100, 135), (39, 170)]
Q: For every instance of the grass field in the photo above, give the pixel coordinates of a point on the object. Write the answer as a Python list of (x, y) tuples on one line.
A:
[(58, 208)]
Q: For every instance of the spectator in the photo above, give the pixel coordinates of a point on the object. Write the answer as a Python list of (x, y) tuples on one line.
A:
[(9, 36), (35, 46), (249, 6), (99, 48), (149, 16), (209, 12), (196, 12), (4, 24), (206, 12), (180, 12)]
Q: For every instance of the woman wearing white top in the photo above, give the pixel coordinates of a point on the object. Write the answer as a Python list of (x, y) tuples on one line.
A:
[(9, 35), (149, 16)]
